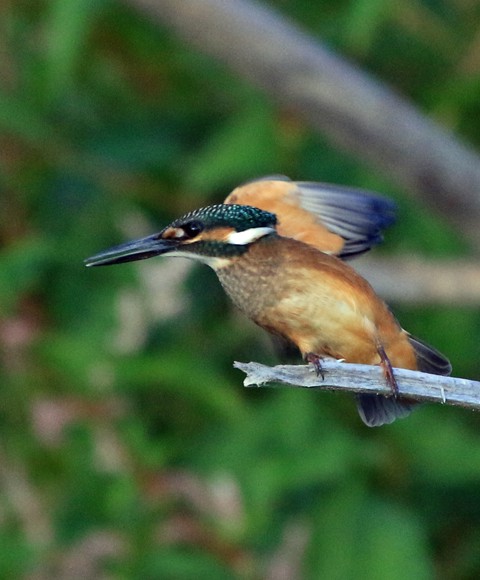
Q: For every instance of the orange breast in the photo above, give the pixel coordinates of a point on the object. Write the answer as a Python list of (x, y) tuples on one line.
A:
[(316, 301)]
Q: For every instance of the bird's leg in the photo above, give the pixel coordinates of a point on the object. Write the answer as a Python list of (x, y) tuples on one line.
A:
[(316, 361), (388, 370)]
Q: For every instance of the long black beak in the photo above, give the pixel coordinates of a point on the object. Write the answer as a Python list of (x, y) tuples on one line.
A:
[(131, 251)]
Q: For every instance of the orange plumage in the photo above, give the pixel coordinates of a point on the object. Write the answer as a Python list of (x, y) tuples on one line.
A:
[(322, 306)]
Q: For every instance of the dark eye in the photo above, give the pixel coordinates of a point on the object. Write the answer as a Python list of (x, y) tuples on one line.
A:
[(192, 229)]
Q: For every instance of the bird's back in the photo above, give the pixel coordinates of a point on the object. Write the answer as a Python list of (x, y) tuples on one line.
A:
[(338, 220)]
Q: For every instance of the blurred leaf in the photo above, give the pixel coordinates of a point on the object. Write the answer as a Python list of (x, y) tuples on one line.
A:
[(184, 373), (361, 537), (67, 30), (16, 556), (72, 360), (283, 453), (362, 20), (183, 564), (151, 146), (449, 455), (22, 265), (246, 144), (20, 118)]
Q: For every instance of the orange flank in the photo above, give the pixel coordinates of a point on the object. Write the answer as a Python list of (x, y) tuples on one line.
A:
[(323, 306)]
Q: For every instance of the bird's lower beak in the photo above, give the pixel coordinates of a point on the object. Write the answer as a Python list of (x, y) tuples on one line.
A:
[(131, 251)]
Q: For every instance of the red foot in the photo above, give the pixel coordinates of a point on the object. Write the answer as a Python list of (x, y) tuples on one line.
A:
[(316, 361), (388, 371)]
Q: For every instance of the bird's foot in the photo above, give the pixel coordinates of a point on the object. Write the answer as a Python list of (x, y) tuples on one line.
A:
[(388, 371), (316, 361)]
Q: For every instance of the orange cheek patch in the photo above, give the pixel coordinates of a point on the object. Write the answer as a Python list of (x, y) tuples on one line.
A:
[(218, 234)]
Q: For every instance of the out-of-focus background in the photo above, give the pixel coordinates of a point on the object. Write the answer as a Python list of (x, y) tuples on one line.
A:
[(128, 446)]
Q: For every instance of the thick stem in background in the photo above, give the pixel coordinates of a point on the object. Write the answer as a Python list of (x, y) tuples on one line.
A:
[(357, 113), (398, 279), (413, 280)]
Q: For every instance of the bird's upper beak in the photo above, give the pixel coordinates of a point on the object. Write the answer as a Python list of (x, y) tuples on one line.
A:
[(130, 251)]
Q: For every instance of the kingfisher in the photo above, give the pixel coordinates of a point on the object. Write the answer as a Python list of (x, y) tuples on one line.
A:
[(293, 289)]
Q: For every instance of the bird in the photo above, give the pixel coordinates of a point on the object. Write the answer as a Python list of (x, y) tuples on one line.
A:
[(335, 219), (310, 298)]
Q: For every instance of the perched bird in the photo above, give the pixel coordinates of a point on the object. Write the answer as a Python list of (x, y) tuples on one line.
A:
[(295, 291), (338, 220)]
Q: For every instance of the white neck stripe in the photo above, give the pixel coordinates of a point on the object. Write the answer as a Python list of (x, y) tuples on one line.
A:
[(248, 236)]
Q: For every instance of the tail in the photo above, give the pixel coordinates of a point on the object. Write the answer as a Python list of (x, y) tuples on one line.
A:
[(429, 359), (376, 410)]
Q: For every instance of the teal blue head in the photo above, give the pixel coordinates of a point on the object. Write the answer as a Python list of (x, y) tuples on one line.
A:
[(210, 234)]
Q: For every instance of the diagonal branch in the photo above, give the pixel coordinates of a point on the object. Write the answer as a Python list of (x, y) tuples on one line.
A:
[(357, 112), (355, 378)]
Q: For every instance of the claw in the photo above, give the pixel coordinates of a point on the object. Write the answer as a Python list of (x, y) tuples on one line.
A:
[(316, 361)]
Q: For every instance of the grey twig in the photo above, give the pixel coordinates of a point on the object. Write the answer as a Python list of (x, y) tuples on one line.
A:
[(355, 378)]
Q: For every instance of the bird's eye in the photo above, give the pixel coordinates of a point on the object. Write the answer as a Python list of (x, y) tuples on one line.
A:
[(192, 228)]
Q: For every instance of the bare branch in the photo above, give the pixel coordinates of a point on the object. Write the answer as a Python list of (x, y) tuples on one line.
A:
[(355, 378), (356, 112)]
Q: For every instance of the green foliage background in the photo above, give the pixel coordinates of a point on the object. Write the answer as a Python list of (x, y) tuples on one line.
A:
[(128, 447)]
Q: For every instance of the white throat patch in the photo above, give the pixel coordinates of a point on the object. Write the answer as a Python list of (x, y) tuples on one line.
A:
[(248, 236)]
